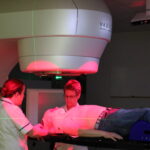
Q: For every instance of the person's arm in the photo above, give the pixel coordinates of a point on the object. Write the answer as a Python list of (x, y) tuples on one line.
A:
[(99, 133), (23, 124), (47, 120), (37, 131)]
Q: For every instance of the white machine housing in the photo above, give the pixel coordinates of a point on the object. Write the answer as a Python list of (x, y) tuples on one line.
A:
[(64, 37)]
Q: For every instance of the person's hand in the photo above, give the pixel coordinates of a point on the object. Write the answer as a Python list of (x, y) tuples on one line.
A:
[(39, 125), (41, 131), (112, 135)]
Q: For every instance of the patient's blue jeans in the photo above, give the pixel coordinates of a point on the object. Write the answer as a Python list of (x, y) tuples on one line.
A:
[(122, 120)]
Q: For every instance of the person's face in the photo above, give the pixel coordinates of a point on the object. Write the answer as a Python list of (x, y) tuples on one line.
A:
[(71, 98), (20, 97)]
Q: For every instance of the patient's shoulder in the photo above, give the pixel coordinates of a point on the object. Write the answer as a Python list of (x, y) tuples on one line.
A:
[(50, 111), (53, 109)]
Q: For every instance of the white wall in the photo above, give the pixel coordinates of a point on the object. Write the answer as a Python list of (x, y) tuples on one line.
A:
[(44, 99), (123, 79)]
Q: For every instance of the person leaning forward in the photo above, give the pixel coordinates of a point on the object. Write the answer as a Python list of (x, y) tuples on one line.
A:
[(14, 125)]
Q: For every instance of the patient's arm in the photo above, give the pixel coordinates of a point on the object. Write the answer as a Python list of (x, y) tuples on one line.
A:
[(37, 131), (99, 133)]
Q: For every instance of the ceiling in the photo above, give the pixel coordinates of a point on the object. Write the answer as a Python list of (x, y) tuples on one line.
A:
[(123, 11)]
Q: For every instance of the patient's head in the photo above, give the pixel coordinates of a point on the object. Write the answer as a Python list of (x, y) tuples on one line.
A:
[(72, 92)]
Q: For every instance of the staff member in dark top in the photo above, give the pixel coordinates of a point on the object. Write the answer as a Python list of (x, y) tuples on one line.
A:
[(14, 126)]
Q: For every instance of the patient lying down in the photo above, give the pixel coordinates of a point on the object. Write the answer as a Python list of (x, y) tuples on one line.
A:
[(74, 124), (91, 120)]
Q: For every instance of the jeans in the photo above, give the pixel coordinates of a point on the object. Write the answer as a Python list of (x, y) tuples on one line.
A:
[(122, 120)]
